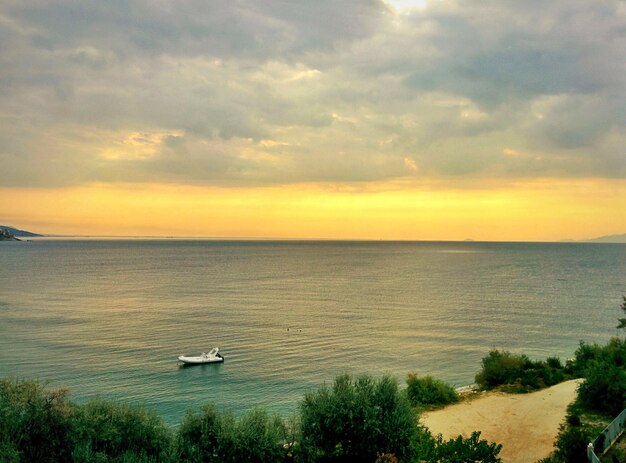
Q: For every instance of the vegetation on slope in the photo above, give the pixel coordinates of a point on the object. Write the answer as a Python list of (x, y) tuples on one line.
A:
[(601, 397), (517, 373), (429, 392), (356, 420)]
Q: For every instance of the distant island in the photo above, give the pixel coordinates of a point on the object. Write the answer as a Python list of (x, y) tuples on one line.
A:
[(609, 239), (601, 239), (11, 234)]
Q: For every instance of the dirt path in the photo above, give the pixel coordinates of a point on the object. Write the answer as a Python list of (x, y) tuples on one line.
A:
[(525, 424)]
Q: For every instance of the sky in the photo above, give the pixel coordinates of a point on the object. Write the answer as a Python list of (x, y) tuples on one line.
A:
[(357, 119)]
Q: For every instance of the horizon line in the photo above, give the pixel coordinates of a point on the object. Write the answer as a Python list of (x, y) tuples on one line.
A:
[(310, 239)]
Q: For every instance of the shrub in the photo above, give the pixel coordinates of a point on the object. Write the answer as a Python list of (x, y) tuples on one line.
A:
[(604, 388), (109, 431), (518, 373), (35, 423), (197, 438), (429, 391), (500, 368), (211, 436), (9, 452), (614, 352), (461, 450), (554, 362), (256, 437), (355, 420), (584, 355)]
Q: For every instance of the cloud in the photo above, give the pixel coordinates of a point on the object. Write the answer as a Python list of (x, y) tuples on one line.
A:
[(244, 93)]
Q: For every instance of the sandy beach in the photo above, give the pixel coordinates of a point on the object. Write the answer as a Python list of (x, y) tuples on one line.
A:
[(525, 424)]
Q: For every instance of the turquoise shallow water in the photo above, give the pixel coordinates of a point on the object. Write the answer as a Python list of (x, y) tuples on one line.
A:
[(108, 318)]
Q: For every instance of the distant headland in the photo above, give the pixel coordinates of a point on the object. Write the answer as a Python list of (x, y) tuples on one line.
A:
[(610, 239), (11, 234)]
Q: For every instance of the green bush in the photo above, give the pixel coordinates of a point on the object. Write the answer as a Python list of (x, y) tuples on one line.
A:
[(586, 354), (197, 436), (518, 373), (355, 420), (500, 368), (554, 362), (255, 437), (604, 388), (36, 424), (429, 391), (211, 436), (461, 450), (109, 431)]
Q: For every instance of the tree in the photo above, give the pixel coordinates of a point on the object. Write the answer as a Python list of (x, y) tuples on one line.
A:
[(111, 430), (604, 388), (211, 436), (36, 424), (622, 321), (356, 420)]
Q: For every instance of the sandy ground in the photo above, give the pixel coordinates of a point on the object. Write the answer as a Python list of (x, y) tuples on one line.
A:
[(525, 424)]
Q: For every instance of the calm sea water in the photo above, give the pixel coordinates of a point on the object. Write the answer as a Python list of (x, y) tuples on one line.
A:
[(108, 318)]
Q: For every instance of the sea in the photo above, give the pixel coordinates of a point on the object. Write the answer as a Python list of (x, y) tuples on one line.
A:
[(109, 317)]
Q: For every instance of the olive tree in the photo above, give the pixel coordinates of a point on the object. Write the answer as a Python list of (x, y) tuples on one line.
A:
[(355, 420)]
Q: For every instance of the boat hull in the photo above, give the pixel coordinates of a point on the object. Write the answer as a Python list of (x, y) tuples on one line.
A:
[(199, 360)]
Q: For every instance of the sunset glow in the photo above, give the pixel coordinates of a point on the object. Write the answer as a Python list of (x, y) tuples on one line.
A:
[(367, 120), (535, 211)]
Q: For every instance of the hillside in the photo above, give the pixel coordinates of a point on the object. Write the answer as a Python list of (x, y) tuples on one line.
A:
[(17, 232), (5, 235)]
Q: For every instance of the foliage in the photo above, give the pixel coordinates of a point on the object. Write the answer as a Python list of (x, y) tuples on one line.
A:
[(462, 450), (518, 372), (554, 362), (429, 391), (355, 420), (35, 423), (622, 321), (499, 368), (108, 431), (613, 352), (604, 388), (211, 436), (571, 442)]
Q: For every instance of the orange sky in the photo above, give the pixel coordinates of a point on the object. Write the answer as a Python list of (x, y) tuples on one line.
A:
[(535, 211)]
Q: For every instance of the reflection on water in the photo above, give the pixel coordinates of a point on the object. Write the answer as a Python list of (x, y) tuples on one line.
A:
[(110, 318)]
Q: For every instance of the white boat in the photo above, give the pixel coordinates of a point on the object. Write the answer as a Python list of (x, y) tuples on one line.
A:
[(212, 357)]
